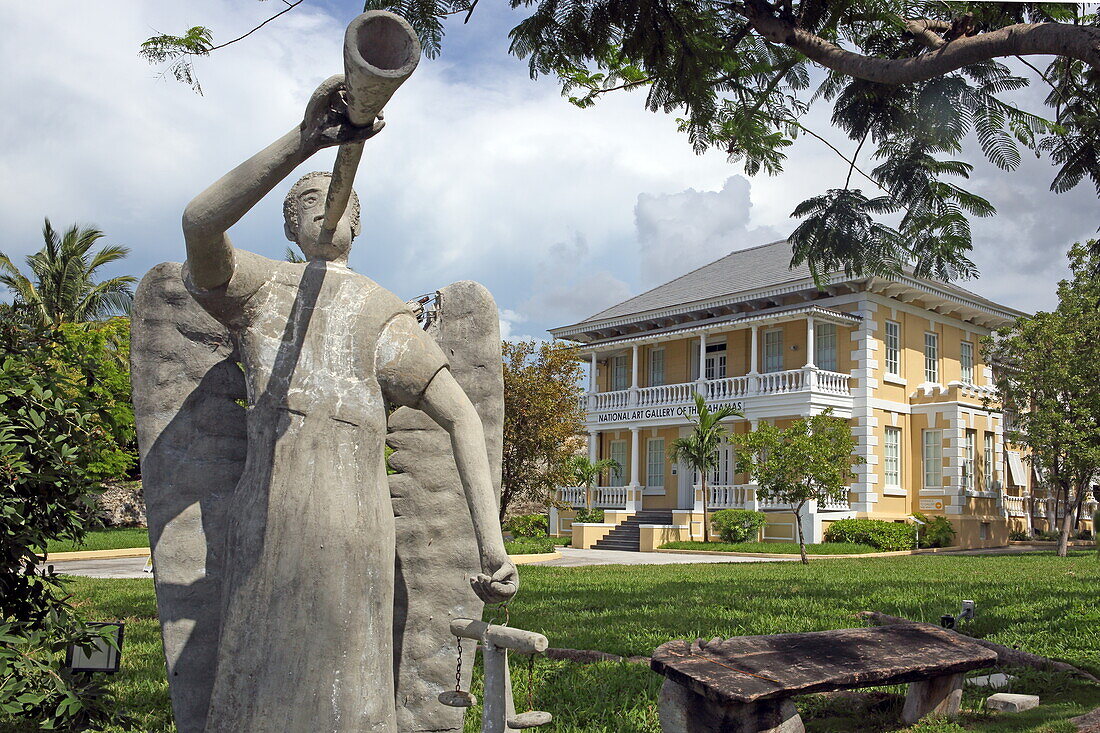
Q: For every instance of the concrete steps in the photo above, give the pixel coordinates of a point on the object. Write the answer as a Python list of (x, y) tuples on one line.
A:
[(625, 537)]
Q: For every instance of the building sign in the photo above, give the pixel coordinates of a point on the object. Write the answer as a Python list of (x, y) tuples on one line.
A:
[(932, 504), (654, 413)]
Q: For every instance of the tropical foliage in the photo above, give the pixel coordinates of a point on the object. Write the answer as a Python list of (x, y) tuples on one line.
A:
[(738, 525), (55, 431), (542, 419), (908, 83), (699, 448), (809, 461), (61, 286), (1047, 372), (586, 472)]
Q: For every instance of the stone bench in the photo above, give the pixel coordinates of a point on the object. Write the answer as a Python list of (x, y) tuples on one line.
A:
[(744, 684)]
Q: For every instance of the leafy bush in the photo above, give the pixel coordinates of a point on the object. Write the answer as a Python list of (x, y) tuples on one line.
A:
[(528, 525), (594, 516), (529, 545), (878, 533), (1047, 535), (1083, 534), (738, 525), (55, 440), (936, 532), (1019, 535)]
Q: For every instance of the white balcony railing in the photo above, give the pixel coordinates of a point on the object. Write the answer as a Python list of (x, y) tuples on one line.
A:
[(572, 495), (1015, 506), (743, 496), (721, 390), (603, 497)]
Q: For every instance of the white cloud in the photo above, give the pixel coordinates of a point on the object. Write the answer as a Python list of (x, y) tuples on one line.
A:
[(682, 231)]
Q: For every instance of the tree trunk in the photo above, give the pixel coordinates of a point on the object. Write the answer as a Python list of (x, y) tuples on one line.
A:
[(801, 538), (706, 520)]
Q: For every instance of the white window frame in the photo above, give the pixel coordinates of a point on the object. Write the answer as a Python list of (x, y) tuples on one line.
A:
[(655, 463), (932, 459), (987, 461), (891, 460), (723, 474), (892, 341), (715, 364), (970, 438), (656, 367), (825, 346), (771, 365), (619, 366), (617, 451), (931, 357), (966, 362)]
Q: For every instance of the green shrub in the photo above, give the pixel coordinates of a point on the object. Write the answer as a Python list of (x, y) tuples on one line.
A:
[(529, 545), (1083, 534), (936, 532), (1048, 535), (879, 533), (593, 516), (1019, 535), (737, 525), (528, 525)]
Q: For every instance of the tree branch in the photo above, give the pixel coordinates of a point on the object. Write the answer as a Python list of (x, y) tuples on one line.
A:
[(925, 31), (1023, 39), (287, 9)]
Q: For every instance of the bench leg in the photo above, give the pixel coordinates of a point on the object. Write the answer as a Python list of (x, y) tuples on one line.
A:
[(939, 695), (684, 711)]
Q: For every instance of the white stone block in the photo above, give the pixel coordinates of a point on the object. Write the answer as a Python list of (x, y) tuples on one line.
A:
[(1007, 702), (995, 681)]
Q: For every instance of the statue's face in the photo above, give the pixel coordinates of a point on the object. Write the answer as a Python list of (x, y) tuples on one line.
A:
[(311, 212)]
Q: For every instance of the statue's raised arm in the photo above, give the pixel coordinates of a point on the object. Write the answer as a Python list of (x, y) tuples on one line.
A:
[(210, 214)]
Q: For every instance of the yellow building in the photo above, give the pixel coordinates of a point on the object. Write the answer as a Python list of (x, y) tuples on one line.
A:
[(899, 358)]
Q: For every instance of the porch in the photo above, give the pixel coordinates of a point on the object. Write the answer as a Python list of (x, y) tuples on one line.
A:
[(739, 496)]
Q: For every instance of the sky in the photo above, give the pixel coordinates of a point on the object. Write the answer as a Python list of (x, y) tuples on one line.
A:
[(481, 172)]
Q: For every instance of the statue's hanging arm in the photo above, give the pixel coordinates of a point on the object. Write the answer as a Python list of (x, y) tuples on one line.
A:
[(210, 214)]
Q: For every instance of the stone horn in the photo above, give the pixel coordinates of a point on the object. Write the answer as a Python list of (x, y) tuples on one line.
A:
[(381, 51)]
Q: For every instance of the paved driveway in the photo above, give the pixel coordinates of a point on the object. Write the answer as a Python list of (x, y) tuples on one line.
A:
[(572, 558), (114, 567)]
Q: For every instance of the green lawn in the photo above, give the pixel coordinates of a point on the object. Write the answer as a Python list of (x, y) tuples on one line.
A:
[(778, 548), (105, 539), (1040, 603)]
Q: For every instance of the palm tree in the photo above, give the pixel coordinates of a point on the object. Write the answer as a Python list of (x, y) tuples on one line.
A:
[(61, 287), (585, 472), (700, 449)]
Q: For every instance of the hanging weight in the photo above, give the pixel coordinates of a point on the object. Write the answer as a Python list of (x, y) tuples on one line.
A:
[(530, 719), (457, 699)]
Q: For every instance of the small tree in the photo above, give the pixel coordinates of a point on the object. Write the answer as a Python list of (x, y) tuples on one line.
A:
[(811, 460), (699, 450), (586, 471), (1047, 368), (542, 419)]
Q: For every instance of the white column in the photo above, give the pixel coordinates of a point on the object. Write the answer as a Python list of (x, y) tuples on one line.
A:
[(701, 382), (593, 445), (592, 374), (809, 342), (634, 375), (754, 355), (634, 451)]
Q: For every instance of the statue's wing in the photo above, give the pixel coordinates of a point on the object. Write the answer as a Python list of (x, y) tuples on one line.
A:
[(187, 388), (436, 550)]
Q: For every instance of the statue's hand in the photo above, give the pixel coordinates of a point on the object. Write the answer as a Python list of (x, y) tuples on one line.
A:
[(326, 122), (497, 584)]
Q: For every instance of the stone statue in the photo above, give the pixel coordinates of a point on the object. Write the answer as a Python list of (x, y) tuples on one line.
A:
[(262, 419)]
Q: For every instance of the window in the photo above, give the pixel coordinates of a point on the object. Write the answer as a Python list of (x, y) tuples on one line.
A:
[(931, 358), (618, 454), (656, 367), (892, 456), (723, 472), (893, 347), (620, 378), (933, 459), (987, 463), (655, 462), (716, 361), (983, 531), (966, 361), (825, 346), (968, 460), (773, 350)]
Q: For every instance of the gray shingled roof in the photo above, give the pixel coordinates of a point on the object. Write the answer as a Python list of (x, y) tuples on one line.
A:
[(746, 269)]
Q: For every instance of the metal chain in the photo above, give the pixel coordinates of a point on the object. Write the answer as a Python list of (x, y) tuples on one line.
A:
[(458, 668)]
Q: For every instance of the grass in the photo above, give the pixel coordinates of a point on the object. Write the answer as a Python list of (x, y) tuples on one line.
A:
[(105, 539), (779, 548), (1038, 602)]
